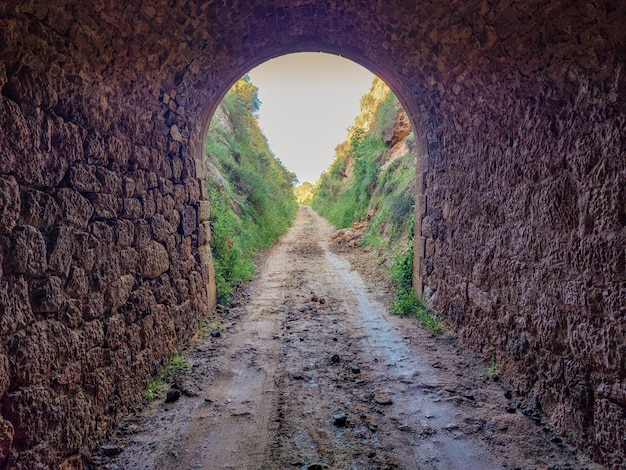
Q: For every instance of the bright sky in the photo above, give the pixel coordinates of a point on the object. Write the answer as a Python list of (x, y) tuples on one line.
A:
[(308, 102)]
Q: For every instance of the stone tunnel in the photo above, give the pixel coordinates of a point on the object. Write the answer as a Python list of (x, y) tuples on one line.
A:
[(519, 110)]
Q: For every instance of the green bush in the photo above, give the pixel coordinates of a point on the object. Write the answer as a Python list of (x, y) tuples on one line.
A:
[(345, 203), (405, 301)]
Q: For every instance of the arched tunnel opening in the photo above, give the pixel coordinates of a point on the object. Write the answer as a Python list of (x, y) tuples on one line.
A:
[(312, 105), (104, 253)]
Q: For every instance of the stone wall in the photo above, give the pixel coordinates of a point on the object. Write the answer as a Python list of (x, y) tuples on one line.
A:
[(519, 109), (103, 238), (524, 253)]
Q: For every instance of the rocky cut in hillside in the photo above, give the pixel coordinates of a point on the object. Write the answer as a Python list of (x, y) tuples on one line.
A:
[(251, 191), (372, 178)]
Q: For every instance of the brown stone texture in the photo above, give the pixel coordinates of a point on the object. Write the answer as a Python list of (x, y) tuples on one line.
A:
[(519, 112)]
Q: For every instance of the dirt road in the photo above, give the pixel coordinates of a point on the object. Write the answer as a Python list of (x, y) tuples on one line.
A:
[(310, 372)]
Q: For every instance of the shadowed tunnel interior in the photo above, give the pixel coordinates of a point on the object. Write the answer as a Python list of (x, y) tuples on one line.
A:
[(519, 111)]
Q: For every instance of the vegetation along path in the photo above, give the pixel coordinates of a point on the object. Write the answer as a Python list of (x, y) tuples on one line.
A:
[(309, 371)]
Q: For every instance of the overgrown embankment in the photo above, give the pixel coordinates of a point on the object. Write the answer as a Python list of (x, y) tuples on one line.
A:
[(372, 180), (251, 192)]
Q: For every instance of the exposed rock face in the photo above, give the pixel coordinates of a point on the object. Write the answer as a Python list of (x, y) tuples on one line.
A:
[(519, 108)]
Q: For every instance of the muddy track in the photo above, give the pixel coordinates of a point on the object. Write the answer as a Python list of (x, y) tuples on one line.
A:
[(312, 373)]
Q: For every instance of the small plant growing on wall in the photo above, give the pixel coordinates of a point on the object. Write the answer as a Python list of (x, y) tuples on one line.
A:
[(406, 301), (158, 386)]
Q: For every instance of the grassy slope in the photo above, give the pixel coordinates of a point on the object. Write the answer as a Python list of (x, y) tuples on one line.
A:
[(251, 192), (371, 181), (368, 181)]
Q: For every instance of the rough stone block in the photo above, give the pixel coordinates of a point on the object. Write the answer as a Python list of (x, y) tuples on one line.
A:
[(164, 293), (75, 208), (206, 257), (161, 228), (89, 336), (40, 350), (29, 86), (188, 220), (93, 306), (106, 206), (8, 155), (66, 140), (154, 260), (174, 245), (110, 182), (132, 208), (177, 168), (165, 170), (41, 169), (193, 190), (84, 178), (128, 187), (39, 209), (479, 298), (94, 150), (10, 203), (129, 260), (46, 295), (124, 232), (152, 180), (141, 157), (182, 290), (84, 252), (71, 313), (28, 251), (119, 292), (175, 133), (204, 233), (6, 438), (148, 205), (429, 227), (5, 374), (103, 234), (158, 200), (77, 283), (169, 211), (189, 168), (180, 196), (165, 186), (119, 150), (140, 178), (202, 170), (142, 233), (106, 269), (204, 211), (115, 331), (15, 130), (61, 250)]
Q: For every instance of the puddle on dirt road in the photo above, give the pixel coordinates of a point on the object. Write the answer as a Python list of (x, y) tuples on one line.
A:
[(393, 359)]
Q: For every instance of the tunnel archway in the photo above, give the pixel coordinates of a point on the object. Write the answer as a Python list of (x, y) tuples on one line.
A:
[(103, 113), (420, 151), (421, 154)]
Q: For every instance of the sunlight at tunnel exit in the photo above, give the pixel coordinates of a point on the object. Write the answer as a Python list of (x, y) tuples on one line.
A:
[(309, 100)]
